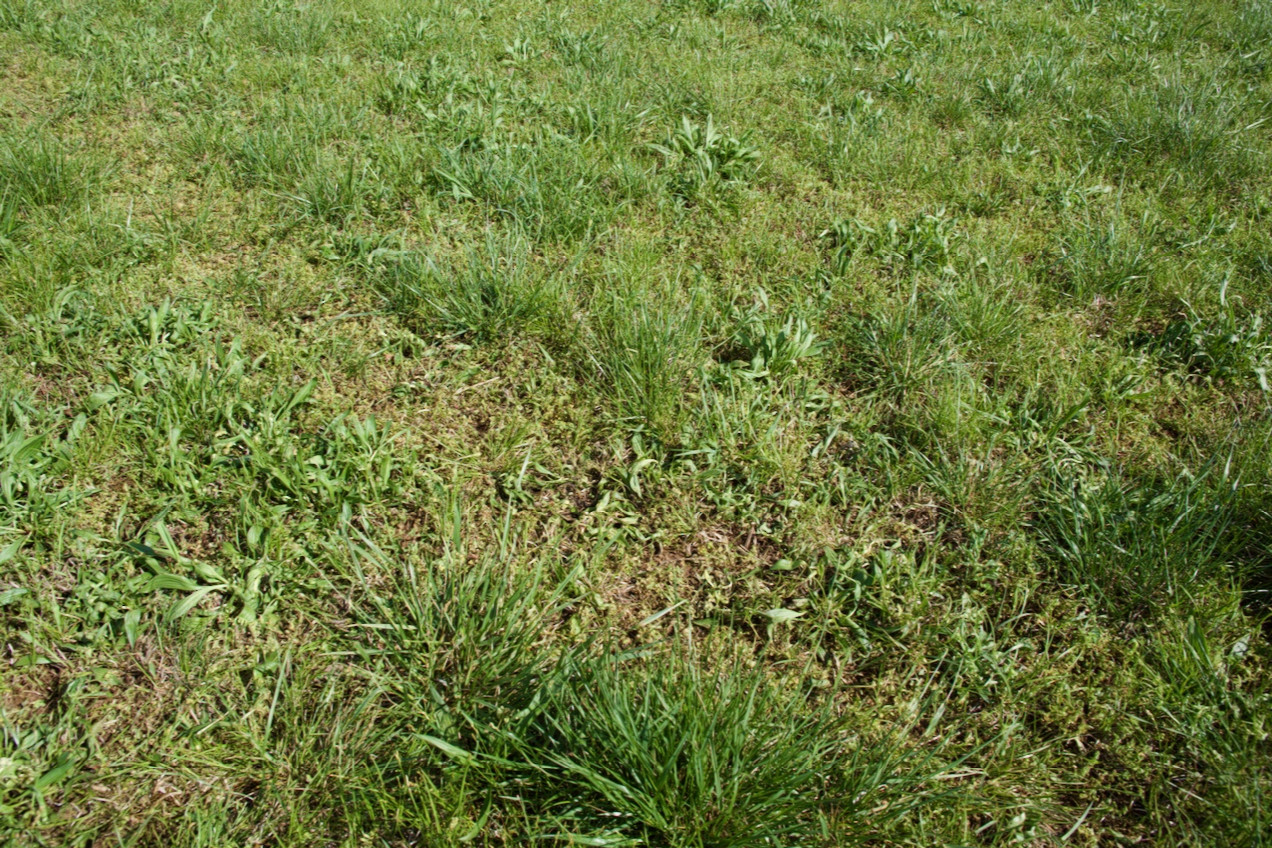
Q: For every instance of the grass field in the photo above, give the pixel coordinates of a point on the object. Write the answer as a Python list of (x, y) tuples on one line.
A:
[(701, 423)]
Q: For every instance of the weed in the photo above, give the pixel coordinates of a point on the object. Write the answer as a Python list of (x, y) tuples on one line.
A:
[(904, 85), (767, 348), (700, 154), (925, 243), (774, 351), (1232, 346), (32, 458)]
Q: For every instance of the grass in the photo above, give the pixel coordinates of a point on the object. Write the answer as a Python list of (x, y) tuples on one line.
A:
[(701, 423)]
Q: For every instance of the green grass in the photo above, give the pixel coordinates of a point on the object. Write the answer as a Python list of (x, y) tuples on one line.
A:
[(692, 424)]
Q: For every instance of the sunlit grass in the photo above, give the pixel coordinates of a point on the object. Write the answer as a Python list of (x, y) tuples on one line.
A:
[(704, 423)]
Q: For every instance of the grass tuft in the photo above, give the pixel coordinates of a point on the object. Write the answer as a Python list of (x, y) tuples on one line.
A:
[(496, 294)]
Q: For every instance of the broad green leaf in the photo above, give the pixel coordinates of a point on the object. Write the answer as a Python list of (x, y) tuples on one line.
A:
[(10, 550), (175, 582), (190, 602), (207, 572), (131, 619), (56, 774), (455, 753), (301, 396), (8, 596), (28, 450), (100, 398)]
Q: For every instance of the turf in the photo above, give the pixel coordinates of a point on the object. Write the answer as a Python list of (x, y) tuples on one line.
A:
[(692, 424)]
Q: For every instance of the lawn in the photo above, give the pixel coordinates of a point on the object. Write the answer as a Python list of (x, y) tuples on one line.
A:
[(698, 424)]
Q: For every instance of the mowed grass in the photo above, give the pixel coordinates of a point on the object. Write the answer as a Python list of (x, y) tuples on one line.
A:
[(691, 424)]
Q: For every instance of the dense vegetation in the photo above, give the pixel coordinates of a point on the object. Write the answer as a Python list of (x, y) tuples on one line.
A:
[(697, 423)]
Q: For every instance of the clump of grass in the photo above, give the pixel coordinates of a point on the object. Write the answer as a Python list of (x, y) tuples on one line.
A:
[(461, 644), (1194, 127), (10, 222), (37, 170), (983, 312), (897, 352), (1104, 258), (548, 190), (292, 29), (665, 752), (1036, 80), (1137, 549), (1215, 720), (586, 48), (663, 749), (642, 351), (1250, 34), (332, 191), (495, 293)]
